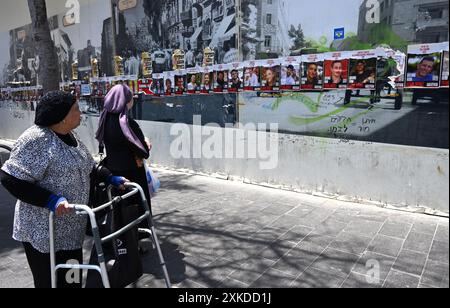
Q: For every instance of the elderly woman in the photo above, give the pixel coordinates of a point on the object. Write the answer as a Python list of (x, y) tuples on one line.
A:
[(49, 169)]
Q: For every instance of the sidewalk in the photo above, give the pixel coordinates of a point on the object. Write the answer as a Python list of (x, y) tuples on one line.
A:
[(216, 233)]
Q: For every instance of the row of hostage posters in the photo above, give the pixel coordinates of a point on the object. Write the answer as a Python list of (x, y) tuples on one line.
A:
[(427, 66)]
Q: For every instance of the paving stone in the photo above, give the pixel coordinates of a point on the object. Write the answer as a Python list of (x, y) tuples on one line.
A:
[(351, 243), (273, 279), (427, 227), (278, 209), (336, 262), (385, 245), (396, 229), (410, 262), (358, 281), (439, 252), (436, 274), (401, 280), (419, 242), (251, 271), (315, 278), (442, 234), (364, 227)]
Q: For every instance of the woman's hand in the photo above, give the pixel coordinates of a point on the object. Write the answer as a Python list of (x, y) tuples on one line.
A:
[(118, 182), (149, 144), (63, 208)]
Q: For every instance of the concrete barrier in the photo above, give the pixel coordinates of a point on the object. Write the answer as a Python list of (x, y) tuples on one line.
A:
[(400, 176)]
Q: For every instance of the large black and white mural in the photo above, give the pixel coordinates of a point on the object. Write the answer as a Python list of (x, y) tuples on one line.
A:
[(74, 42), (162, 26)]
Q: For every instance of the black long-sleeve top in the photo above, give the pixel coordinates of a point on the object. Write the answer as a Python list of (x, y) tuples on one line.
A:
[(122, 154), (37, 196)]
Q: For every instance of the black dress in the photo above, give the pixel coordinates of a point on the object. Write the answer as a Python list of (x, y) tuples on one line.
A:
[(123, 157)]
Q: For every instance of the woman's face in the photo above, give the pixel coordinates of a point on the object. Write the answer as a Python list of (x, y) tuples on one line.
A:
[(337, 70), (312, 71), (73, 118), (270, 76), (206, 79)]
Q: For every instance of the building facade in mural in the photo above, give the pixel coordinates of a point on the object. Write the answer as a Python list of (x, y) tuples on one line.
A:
[(273, 28), (415, 21), (162, 26)]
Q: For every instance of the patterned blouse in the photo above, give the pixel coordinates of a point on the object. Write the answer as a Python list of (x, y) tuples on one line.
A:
[(42, 158)]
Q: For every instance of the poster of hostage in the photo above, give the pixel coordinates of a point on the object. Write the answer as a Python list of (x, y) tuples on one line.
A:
[(270, 75), (312, 72), (290, 73), (363, 70), (424, 65), (336, 70)]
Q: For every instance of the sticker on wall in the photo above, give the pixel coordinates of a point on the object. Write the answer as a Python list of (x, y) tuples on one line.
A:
[(363, 70), (290, 73), (336, 70), (312, 72)]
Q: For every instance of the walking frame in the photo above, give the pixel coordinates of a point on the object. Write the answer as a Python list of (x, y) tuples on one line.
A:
[(102, 268)]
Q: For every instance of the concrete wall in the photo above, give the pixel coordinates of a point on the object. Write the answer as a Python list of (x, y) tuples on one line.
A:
[(359, 171)]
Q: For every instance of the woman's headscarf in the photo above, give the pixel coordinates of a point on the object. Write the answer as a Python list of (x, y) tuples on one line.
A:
[(116, 102)]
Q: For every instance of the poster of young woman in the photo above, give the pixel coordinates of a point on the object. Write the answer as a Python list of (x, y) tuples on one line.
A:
[(336, 70), (236, 78), (169, 83), (424, 65), (312, 72), (252, 75), (180, 82), (363, 69), (290, 73), (221, 78), (270, 75), (194, 80)]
